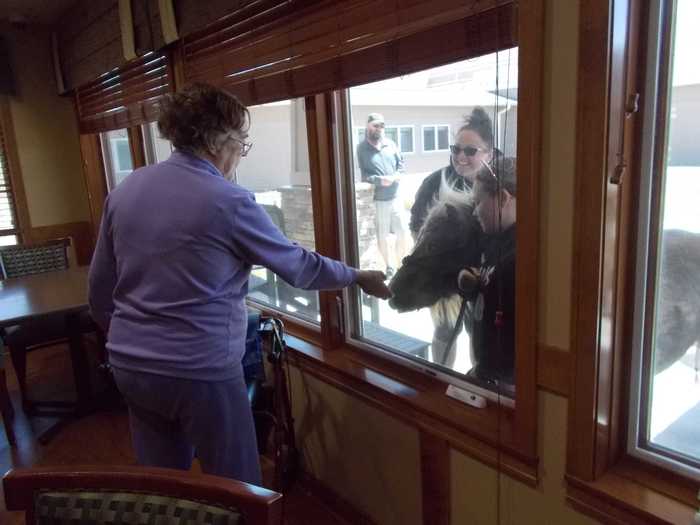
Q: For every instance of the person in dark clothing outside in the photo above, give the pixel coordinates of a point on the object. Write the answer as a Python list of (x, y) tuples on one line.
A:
[(381, 164), (491, 288), (168, 283), (473, 145)]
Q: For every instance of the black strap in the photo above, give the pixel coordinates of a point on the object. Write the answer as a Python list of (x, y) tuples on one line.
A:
[(455, 331)]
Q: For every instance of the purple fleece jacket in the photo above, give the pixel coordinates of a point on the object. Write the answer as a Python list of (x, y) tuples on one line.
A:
[(170, 272)]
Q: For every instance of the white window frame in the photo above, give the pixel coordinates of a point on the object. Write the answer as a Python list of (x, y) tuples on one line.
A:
[(435, 135), (357, 129), (398, 136), (642, 263)]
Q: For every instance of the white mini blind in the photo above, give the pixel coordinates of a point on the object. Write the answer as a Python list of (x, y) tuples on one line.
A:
[(8, 215)]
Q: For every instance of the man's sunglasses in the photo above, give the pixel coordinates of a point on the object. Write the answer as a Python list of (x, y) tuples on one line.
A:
[(469, 151)]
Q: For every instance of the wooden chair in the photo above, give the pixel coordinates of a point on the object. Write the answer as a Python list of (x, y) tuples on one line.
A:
[(21, 260), (128, 495)]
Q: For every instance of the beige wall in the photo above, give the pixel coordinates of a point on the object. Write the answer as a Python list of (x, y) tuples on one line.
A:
[(46, 133), (372, 459)]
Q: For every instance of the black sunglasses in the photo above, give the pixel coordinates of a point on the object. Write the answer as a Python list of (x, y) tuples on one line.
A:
[(469, 151)]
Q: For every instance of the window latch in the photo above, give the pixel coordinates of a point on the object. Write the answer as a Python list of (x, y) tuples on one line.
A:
[(339, 314), (616, 177), (632, 105)]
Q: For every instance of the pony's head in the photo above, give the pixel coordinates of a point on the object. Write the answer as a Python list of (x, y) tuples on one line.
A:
[(447, 242)]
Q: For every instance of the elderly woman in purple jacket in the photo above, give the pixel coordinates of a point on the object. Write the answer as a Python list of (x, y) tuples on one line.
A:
[(168, 283)]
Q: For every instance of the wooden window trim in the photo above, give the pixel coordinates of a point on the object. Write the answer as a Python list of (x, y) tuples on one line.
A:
[(488, 435), (503, 438), (602, 479)]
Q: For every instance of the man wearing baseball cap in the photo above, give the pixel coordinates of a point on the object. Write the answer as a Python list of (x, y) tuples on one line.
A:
[(381, 164)]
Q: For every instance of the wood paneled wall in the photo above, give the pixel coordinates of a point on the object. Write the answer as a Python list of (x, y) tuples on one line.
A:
[(80, 234)]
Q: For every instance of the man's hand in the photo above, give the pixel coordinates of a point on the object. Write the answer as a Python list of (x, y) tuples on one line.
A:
[(385, 180), (469, 282), (372, 283)]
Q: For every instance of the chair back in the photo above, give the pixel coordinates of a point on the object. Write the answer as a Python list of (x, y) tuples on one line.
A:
[(19, 260), (129, 495)]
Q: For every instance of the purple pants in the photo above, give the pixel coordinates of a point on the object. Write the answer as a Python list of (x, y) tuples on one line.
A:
[(172, 419)]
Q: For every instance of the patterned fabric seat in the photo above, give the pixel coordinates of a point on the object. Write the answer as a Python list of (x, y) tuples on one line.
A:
[(127, 508), (132, 495)]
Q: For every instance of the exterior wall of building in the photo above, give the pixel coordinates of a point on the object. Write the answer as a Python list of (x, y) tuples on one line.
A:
[(425, 162), (268, 165), (685, 102)]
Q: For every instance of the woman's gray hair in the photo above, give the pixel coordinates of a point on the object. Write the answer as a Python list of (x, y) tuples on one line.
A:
[(195, 119)]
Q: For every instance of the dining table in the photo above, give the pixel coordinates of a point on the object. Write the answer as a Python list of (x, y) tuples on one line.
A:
[(65, 292)]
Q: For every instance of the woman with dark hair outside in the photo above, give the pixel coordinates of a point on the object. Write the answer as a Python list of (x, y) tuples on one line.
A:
[(472, 147), (491, 288), (168, 282)]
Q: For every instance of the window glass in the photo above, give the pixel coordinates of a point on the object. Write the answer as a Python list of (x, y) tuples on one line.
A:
[(8, 225), (406, 143), (669, 387), (443, 133), (392, 132), (423, 233), (157, 148), (277, 170), (116, 153), (429, 138)]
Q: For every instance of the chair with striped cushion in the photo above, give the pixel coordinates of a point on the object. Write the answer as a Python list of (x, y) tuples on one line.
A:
[(134, 495)]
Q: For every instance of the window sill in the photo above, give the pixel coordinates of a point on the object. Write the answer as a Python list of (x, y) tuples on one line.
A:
[(622, 495), (421, 402)]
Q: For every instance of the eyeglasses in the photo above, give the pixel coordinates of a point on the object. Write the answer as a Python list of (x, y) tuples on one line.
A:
[(245, 146), (469, 151)]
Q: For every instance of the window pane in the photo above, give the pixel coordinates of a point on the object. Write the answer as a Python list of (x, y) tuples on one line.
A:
[(6, 212), (123, 155), (674, 400), (392, 134), (443, 137), (411, 216), (158, 149), (117, 156), (429, 139), (8, 240), (277, 171), (7, 218), (406, 140)]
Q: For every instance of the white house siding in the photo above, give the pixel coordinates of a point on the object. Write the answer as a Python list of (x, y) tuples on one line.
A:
[(685, 107), (269, 163), (419, 116)]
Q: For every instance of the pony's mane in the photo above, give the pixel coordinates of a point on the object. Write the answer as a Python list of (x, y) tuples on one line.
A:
[(448, 194)]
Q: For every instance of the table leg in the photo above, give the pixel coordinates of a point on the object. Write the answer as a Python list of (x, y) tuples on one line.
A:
[(81, 370)]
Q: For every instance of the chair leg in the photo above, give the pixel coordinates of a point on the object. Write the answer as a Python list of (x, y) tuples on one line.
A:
[(6, 409), (19, 362)]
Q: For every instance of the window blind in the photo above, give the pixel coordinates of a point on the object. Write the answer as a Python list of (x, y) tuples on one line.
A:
[(8, 216), (301, 47), (126, 96)]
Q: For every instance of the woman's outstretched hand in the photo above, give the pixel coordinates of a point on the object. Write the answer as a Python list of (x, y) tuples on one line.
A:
[(372, 283)]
